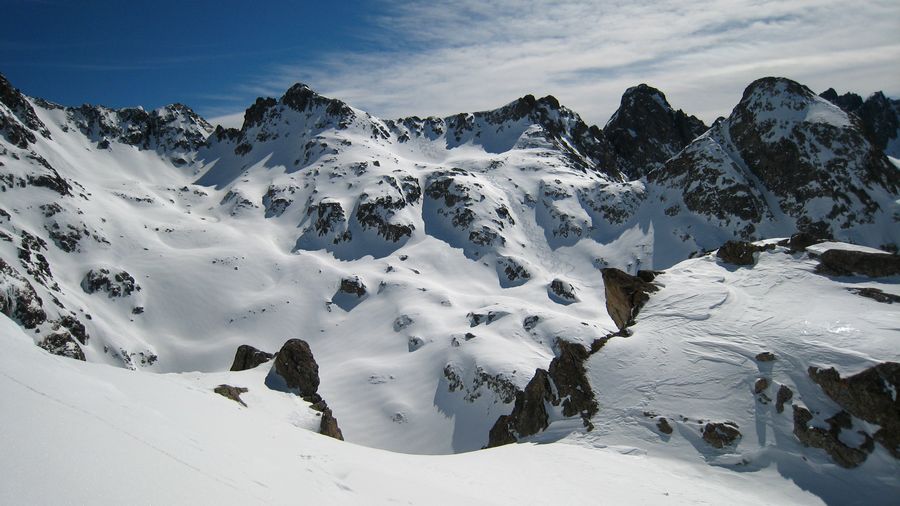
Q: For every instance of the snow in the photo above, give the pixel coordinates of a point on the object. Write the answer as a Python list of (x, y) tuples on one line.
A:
[(220, 264), (92, 434)]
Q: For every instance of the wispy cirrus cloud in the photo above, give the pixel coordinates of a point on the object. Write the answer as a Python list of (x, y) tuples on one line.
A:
[(436, 58)]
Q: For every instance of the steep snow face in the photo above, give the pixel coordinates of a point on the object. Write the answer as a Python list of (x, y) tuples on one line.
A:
[(646, 131), (783, 160)]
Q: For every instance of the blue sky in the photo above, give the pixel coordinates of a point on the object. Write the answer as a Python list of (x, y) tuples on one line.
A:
[(122, 53), (429, 57)]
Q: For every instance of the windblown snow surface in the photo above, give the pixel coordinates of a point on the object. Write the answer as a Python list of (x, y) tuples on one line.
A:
[(231, 249)]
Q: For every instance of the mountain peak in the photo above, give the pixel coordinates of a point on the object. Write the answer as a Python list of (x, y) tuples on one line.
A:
[(645, 131)]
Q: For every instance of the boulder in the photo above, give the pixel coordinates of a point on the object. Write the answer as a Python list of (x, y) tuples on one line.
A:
[(230, 392), (663, 425), (784, 395), (118, 284), (329, 426), (737, 253), (296, 365), (247, 357), (841, 262), (721, 434), (562, 292), (625, 295), (765, 356)]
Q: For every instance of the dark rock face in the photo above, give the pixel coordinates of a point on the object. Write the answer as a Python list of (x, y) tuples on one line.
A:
[(876, 295), (18, 127), (645, 131), (847, 262), (870, 395), (565, 383), (18, 299), (572, 386), (625, 295), (75, 327), (783, 396), (828, 440), (297, 366), (62, 344), (721, 434), (802, 240), (737, 253), (120, 284), (328, 426), (769, 145), (529, 415), (230, 392), (880, 116), (173, 128), (247, 357)]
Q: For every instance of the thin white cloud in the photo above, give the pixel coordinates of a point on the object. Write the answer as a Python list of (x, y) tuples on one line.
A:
[(473, 55)]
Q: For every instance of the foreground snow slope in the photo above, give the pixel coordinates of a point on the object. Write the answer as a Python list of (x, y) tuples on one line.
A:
[(77, 433)]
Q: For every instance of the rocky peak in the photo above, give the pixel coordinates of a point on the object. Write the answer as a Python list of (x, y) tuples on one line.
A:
[(172, 128), (849, 102), (646, 131), (18, 120), (302, 98), (880, 117)]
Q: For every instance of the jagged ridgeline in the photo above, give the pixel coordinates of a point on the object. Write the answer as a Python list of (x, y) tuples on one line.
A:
[(450, 274)]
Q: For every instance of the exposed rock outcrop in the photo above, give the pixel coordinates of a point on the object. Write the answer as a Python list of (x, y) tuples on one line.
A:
[(248, 357), (565, 384), (721, 434), (625, 295), (562, 292), (62, 344), (738, 253), (230, 392), (870, 395), (119, 284), (828, 440), (328, 426), (296, 365), (842, 262), (646, 131)]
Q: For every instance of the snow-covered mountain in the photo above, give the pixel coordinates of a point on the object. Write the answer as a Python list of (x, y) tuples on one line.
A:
[(468, 280)]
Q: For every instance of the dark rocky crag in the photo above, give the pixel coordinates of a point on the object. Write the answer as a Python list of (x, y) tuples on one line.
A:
[(646, 131), (625, 295), (297, 368), (247, 357), (565, 384)]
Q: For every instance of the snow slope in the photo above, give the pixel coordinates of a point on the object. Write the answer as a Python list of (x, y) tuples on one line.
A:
[(164, 253), (90, 434)]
